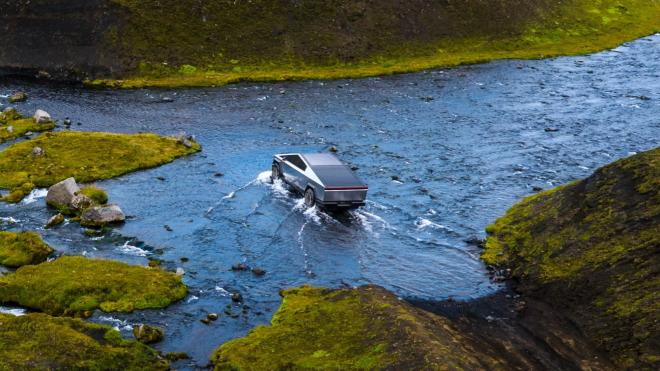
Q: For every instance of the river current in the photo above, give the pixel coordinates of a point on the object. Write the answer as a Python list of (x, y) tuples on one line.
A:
[(465, 144)]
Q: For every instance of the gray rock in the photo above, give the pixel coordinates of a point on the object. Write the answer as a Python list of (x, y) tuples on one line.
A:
[(168, 99), (147, 334), (187, 143), (42, 117), (18, 97), (180, 272), (29, 134), (38, 151), (10, 129), (80, 202), (55, 220), (63, 192), (100, 215)]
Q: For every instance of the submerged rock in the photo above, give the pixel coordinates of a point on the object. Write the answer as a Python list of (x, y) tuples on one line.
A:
[(42, 117), (62, 193), (146, 334), (18, 97), (258, 271), (100, 215), (38, 341), (590, 249), (23, 248), (73, 284), (80, 202), (239, 267), (55, 220), (174, 356)]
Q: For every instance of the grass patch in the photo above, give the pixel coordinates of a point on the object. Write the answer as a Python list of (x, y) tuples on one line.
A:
[(23, 248), (86, 156), (96, 194), (73, 285), (20, 127), (40, 342)]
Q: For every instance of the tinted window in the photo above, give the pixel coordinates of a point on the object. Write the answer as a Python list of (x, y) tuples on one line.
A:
[(297, 161)]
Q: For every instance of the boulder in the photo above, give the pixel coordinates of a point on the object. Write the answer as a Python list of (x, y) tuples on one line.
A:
[(80, 202), (180, 272), (258, 271), (18, 97), (62, 193), (37, 151), (42, 117), (146, 334), (55, 220), (100, 215)]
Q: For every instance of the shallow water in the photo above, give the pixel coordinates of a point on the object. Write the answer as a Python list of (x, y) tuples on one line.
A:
[(462, 158)]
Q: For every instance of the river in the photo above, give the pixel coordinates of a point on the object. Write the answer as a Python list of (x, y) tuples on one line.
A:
[(465, 144)]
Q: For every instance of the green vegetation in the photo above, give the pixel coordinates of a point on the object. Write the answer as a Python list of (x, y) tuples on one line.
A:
[(596, 240), (20, 126), (320, 329), (40, 342), (18, 194), (220, 43), (74, 285), (95, 193), (19, 249), (85, 156)]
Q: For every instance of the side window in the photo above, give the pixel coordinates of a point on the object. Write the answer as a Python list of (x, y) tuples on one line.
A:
[(297, 161)]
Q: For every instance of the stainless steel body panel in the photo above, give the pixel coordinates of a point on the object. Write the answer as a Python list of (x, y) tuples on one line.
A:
[(335, 185)]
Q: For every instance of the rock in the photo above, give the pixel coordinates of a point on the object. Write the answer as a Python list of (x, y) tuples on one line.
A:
[(180, 272), (146, 334), (10, 129), (42, 117), (551, 129), (537, 189), (173, 356), (212, 316), (354, 168), (100, 215), (239, 267), (67, 122), (258, 271), (187, 143), (37, 151), (333, 149), (160, 178), (29, 134), (282, 91), (184, 259), (80, 202), (18, 97), (167, 228), (43, 74), (237, 297), (192, 138), (55, 220), (168, 99), (218, 174), (395, 177), (62, 193), (643, 97), (205, 321)]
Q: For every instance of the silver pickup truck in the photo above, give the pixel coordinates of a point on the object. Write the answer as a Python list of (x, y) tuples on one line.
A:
[(322, 179)]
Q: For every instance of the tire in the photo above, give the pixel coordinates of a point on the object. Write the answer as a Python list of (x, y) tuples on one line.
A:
[(276, 172), (310, 197)]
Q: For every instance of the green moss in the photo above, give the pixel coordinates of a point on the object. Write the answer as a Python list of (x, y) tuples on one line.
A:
[(85, 156), (22, 126), (95, 193), (40, 342), (9, 114), (71, 285), (319, 329), (18, 249), (269, 40), (589, 248)]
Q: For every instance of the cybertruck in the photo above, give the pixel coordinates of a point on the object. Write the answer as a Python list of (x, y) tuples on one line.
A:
[(323, 180)]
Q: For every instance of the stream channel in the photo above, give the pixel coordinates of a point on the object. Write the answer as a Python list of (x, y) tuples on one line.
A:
[(466, 144)]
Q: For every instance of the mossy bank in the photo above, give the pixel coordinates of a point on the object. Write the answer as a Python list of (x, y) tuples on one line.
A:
[(86, 156), (591, 249), (23, 248), (185, 42), (76, 286), (370, 328), (69, 344)]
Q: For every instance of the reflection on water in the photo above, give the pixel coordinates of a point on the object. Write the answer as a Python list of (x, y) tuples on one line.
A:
[(460, 161)]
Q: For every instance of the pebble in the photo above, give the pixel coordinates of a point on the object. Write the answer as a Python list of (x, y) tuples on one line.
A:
[(205, 321), (212, 316), (184, 259), (180, 272), (218, 174)]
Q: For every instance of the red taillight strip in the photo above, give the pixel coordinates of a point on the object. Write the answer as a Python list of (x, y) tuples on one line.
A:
[(343, 188)]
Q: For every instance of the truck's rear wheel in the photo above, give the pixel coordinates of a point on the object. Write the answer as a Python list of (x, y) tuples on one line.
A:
[(310, 198), (276, 172)]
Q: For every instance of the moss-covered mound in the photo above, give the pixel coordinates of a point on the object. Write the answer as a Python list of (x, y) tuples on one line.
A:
[(86, 157), (592, 249), (73, 285), (40, 342), (13, 125), (185, 42), (19, 249), (363, 329)]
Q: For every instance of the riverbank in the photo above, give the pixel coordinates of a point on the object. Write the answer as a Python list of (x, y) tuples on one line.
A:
[(132, 44)]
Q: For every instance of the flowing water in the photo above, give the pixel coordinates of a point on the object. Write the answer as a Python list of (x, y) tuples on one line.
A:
[(465, 144)]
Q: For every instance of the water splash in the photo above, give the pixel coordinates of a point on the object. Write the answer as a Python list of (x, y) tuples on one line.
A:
[(35, 195), (131, 250)]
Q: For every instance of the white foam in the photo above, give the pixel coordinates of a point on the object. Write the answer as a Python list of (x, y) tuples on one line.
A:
[(132, 250), (14, 311), (191, 298), (116, 323), (223, 292), (9, 219), (36, 194), (423, 223), (261, 178)]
